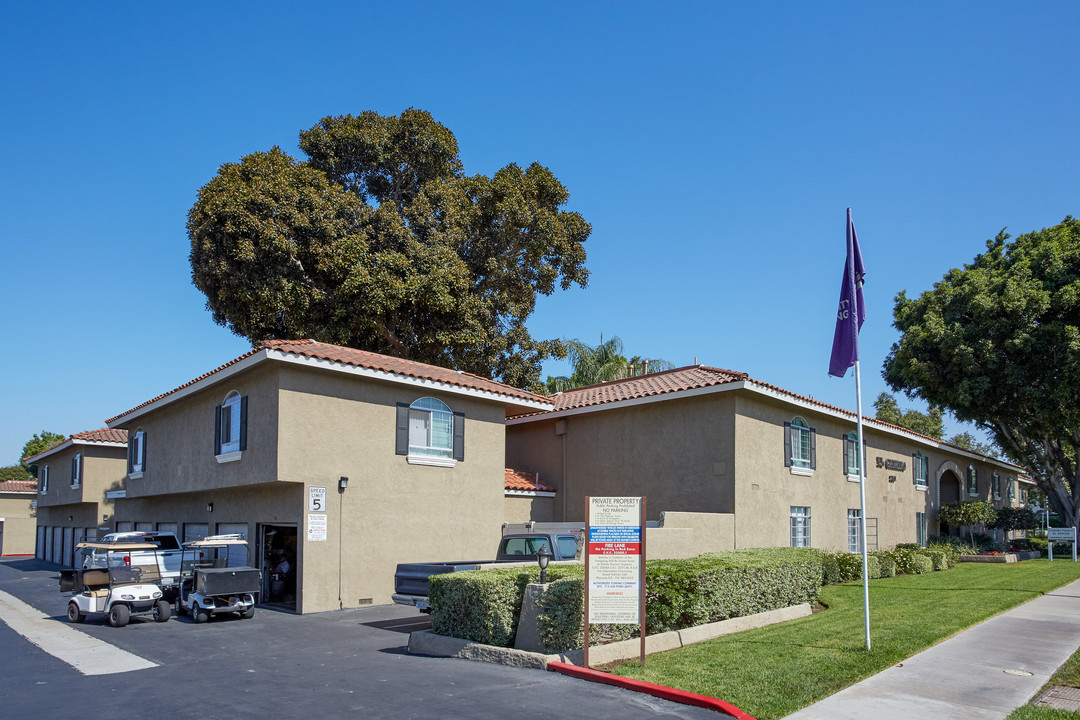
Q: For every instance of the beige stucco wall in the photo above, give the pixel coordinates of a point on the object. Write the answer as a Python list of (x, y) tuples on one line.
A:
[(19, 523), (392, 511), (686, 534), (766, 489), (677, 453), (520, 508), (180, 438)]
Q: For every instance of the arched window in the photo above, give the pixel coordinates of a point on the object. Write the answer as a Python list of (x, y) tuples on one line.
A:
[(851, 454), (136, 453), (231, 427), (995, 485), (972, 480), (431, 428), (800, 450)]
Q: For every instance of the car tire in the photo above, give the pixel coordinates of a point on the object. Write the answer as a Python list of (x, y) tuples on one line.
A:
[(119, 615), (201, 615), (74, 613), (162, 611), (248, 613)]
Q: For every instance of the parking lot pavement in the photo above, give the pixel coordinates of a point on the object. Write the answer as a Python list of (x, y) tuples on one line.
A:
[(278, 665)]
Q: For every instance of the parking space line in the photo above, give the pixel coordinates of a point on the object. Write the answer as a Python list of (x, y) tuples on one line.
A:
[(86, 654)]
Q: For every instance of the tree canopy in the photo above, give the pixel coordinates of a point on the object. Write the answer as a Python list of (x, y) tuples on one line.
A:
[(997, 342), (379, 241), (602, 363), (14, 472), (928, 423), (40, 442)]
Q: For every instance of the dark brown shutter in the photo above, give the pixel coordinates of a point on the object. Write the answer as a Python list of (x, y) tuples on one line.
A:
[(847, 452), (144, 452), (217, 430), (243, 423), (131, 453), (459, 436), (402, 437), (813, 449), (787, 444)]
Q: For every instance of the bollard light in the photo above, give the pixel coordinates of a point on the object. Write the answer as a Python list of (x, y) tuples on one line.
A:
[(543, 557)]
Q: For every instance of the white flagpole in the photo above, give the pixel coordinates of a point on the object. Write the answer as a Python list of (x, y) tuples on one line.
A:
[(862, 504)]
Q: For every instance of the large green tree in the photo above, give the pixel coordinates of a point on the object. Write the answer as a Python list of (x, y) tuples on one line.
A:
[(380, 241), (997, 342), (40, 442), (602, 363), (14, 472), (928, 423)]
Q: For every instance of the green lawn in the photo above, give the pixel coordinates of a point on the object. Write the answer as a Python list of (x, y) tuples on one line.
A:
[(776, 670)]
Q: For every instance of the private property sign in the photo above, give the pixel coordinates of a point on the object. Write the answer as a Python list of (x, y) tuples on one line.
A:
[(615, 564), (1065, 534)]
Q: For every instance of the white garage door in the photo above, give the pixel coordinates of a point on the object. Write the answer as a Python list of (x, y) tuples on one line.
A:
[(69, 545), (238, 554)]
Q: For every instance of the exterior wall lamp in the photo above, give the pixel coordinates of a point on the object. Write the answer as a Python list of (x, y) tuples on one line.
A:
[(209, 507), (342, 483)]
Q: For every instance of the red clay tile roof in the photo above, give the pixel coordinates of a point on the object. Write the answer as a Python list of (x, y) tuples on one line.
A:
[(521, 480), (368, 360), (667, 381), (105, 435), (18, 486)]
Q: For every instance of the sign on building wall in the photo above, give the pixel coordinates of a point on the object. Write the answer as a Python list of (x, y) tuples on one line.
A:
[(316, 500), (316, 527), (615, 564)]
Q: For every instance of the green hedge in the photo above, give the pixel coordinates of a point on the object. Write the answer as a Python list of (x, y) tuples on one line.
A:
[(695, 591), (838, 567), (484, 605)]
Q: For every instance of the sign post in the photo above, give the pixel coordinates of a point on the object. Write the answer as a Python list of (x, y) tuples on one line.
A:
[(615, 564), (1065, 534)]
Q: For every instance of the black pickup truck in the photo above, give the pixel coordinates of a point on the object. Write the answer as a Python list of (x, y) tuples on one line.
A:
[(411, 579)]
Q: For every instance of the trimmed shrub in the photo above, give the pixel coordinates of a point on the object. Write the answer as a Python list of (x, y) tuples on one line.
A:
[(695, 591), (912, 562), (484, 605), (938, 559), (847, 567), (886, 563)]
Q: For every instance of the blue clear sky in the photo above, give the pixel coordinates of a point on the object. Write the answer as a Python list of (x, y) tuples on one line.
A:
[(713, 146)]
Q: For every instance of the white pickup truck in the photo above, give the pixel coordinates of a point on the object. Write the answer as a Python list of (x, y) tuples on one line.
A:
[(167, 556)]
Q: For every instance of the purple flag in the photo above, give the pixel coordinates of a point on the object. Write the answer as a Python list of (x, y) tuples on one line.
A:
[(851, 312)]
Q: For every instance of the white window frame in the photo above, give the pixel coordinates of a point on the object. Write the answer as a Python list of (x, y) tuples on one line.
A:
[(799, 521), (44, 479), (972, 481), (800, 447), (920, 529), (921, 468), (424, 413), (138, 441), (854, 522), (77, 462), (995, 485), (229, 436), (851, 450), (1011, 489)]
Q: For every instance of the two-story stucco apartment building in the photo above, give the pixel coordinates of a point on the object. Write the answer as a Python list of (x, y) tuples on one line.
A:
[(348, 462), (78, 481), (700, 439)]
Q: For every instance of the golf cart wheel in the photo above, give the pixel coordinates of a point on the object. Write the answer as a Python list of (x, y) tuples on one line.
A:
[(74, 614), (162, 611), (248, 613), (201, 615), (181, 608), (119, 615)]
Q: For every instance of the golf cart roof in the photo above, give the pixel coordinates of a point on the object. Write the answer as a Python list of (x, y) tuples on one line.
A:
[(117, 546), (217, 541)]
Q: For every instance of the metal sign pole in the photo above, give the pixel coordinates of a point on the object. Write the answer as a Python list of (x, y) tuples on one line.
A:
[(641, 591), (588, 536)]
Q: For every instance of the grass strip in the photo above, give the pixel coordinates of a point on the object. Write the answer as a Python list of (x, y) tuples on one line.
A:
[(774, 671)]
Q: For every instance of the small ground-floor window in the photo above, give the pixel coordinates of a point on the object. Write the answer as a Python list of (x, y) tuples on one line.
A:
[(920, 528), (854, 530), (800, 526)]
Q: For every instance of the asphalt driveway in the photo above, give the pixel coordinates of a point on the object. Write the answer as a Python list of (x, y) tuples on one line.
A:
[(350, 663)]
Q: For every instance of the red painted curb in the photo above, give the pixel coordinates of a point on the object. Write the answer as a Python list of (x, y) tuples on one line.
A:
[(660, 691)]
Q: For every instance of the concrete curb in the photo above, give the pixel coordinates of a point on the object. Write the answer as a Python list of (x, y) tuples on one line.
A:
[(426, 642), (1003, 558)]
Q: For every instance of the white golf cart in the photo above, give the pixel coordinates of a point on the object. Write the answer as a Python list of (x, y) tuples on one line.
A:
[(118, 591), (209, 585)]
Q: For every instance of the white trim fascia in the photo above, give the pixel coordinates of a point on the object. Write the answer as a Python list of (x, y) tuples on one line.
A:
[(115, 494), (422, 383), (776, 395), (272, 354), (802, 471), (213, 378), (229, 457), (528, 493)]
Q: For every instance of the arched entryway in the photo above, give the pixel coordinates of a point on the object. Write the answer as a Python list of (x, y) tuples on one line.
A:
[(948, 490)]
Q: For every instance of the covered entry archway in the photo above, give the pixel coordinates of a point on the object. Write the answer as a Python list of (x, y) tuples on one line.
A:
[(948, 490)]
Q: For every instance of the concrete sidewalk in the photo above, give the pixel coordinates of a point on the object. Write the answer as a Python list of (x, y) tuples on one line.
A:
[(984, 672)]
